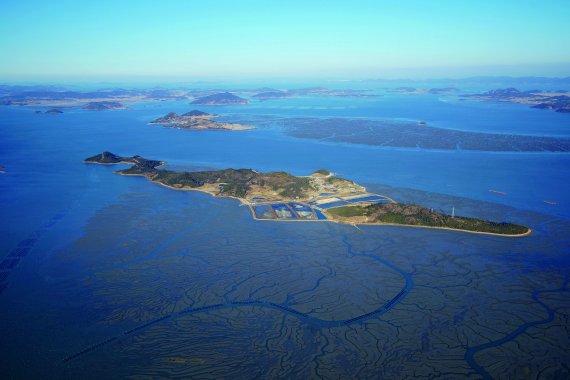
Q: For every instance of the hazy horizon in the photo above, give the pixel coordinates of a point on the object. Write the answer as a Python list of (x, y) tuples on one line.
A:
[(254, 41)]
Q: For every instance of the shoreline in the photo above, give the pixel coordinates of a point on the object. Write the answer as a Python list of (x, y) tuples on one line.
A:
[(244, 202), (527, 233)]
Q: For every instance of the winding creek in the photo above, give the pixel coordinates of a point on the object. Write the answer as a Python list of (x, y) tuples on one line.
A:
[(307, 318)]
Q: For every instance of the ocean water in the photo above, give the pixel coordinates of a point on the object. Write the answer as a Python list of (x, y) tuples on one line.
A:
[(118, 276)]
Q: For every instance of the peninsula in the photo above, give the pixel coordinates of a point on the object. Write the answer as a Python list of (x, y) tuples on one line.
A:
[(197, 120), (220, 99), (320, 196)]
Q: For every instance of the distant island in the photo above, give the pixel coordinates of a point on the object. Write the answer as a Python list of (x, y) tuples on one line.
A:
[(103, 106), (50, 111), (222, 98), (558, 101), (320, 196), (197, 120), (55, 96)]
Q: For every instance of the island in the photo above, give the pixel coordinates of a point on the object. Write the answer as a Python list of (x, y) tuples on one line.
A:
[(103, 106), (51, 111), (558, 101), (220, 99), (197, 120), (321, 196), (108, 158), (115, 98), (54, 111)]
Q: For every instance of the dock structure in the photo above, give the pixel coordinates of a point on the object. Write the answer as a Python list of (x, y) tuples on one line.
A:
[(311, 210)]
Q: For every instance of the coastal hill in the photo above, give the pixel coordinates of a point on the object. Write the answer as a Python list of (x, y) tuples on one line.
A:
[(222, 98), (197, 120), (108, 158), (321, 193), (54, 111), (413, 215), (51, 111), (240, 183), (196, 113)]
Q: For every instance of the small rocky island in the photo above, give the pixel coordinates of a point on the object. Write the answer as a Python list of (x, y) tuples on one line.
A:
[(320, 196), (103, 106), (54, 111), (197, 120), (558, 101), (221, 99), (51, 111)]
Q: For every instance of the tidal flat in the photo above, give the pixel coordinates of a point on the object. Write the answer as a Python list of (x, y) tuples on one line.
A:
[(202, 297), (112, 274)]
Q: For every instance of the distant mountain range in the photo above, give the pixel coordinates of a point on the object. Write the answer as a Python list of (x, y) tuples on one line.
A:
[(499, 81)]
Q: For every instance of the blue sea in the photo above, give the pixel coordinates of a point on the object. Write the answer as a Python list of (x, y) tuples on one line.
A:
[(109, 254)]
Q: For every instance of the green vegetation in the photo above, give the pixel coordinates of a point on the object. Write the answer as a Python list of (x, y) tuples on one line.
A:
[(295, 188), (235, 189), (419, 216), (232, 182), (349, 211), (332, 180), (108, 158), (239, 182)]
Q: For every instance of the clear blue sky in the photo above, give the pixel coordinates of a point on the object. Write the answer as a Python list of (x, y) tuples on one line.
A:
[(245, 38)]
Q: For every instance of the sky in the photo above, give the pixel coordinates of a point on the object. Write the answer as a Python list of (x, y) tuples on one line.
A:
[(354, 39)]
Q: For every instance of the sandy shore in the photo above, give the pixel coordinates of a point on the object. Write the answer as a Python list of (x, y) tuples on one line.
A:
[(529, 231)]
